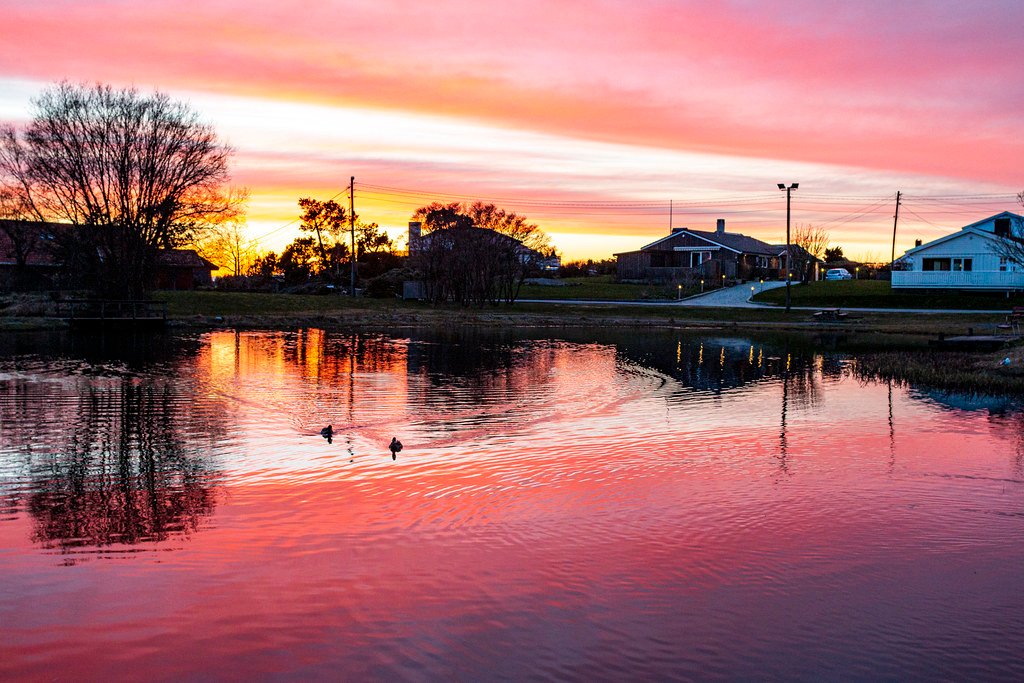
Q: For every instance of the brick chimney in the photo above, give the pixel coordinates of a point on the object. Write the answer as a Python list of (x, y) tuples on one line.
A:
[(720, 226)]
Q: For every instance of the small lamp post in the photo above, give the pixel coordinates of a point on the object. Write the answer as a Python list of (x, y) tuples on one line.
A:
[(856, 273), (751, 291), (723, 280), (762, 285), (679, 294), (701, 286)]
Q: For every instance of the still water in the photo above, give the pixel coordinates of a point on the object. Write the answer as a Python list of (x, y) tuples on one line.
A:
[(576, 505)]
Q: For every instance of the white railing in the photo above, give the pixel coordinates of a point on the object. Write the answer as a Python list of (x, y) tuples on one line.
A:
[(972, 279)]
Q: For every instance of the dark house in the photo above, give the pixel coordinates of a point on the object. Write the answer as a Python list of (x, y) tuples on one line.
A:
[(687, 255), (36, 246), (183, 269)]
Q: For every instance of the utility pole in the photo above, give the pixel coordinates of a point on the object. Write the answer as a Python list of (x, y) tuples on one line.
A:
[(670, 216), (788, 191), (352, 229), (895, 220)]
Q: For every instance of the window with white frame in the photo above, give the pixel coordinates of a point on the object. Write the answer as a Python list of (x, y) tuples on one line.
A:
[(1004, 264), (962, 264), (699, 257)]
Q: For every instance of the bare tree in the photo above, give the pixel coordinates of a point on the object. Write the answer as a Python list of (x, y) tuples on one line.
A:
[(475, 254), (135, 173), (227, 246), (810, 241), (1010, 246)]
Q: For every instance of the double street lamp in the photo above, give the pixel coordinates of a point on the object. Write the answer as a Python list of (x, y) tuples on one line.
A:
[(788, 190)]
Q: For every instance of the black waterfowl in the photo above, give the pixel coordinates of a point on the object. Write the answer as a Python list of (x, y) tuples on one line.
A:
[(395, 446)]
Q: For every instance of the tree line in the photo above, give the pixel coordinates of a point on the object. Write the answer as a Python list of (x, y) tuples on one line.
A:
[(125, 175)]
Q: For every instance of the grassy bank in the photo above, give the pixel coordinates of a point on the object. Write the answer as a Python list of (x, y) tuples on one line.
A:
[(878, 294), (251, 310), (602, 288)]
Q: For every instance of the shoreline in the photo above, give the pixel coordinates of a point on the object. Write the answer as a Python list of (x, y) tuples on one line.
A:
[(888, 345)]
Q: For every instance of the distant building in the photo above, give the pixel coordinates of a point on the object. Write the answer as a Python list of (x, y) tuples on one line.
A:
[(175, 268), (686, 254), (967, 259)]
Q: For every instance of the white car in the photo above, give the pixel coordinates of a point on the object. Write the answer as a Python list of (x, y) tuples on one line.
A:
[(838, 274)]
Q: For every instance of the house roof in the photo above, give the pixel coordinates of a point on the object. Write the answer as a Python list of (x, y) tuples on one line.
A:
[(1004, 214), (735, 242), (42, 255), (970, 229), (795, 248), (183, 258)]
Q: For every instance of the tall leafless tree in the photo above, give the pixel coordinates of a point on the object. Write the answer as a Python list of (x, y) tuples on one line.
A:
[(476, 253), (812, 241), (228, 246), (133, 172)]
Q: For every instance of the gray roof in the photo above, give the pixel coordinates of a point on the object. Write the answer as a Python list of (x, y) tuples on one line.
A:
[(737, 242)]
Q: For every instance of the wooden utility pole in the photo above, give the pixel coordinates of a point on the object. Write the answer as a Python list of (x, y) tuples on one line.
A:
[(352, 229), (670, 215), (895, 221)]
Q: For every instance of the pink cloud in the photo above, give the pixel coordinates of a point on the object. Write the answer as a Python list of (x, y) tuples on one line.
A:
[(885, 85)]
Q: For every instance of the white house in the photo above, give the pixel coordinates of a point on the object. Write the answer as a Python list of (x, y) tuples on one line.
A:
[(967, 259)]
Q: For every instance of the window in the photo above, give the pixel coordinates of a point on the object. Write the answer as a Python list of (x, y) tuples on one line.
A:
[(1002, 227), (699, 257), (935, 264), (962, 264), (1003, 264)]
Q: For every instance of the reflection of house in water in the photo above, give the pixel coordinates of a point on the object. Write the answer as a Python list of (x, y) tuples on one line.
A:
[(954, 400), (720, 363)]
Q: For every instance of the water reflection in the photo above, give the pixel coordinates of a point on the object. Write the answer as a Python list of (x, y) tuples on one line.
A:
[(103, 453), (123, 475), (656, 505)]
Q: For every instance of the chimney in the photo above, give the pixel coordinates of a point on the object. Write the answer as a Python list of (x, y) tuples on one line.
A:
[(720, 226), (414, 234), (917, 243), (675, 230)]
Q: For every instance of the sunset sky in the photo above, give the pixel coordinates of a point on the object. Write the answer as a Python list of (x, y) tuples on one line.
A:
[(588, 117)]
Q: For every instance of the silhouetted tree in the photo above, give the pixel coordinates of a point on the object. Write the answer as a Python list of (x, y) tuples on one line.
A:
[(812, 241), (324, 218), (834, 254), (135, 172), (477, 253)]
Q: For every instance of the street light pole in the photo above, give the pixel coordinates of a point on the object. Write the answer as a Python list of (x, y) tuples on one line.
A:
[(788, 190)]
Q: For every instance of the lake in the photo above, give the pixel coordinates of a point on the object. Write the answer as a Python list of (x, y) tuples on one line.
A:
[(569, 504)]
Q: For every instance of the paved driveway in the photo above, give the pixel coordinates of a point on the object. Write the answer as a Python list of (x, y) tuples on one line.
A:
[(731, 297)]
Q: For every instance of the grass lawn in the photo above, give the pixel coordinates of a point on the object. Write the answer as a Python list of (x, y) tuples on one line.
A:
[(252, 303), (601, 288), (878, 294)]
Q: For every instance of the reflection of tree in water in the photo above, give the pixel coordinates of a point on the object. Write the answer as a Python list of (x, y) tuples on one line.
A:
[(124, 475), (493, 368), (98, 454)]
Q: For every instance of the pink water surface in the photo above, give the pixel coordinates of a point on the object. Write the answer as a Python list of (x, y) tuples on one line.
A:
[(584, 505)]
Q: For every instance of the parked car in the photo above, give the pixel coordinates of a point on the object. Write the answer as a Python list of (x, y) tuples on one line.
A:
[(838, 274)]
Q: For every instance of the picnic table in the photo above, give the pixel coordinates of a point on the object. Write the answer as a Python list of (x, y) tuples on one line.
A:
[(830, 314)]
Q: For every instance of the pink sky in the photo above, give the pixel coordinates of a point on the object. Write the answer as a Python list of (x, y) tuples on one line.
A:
[(601, 101)]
